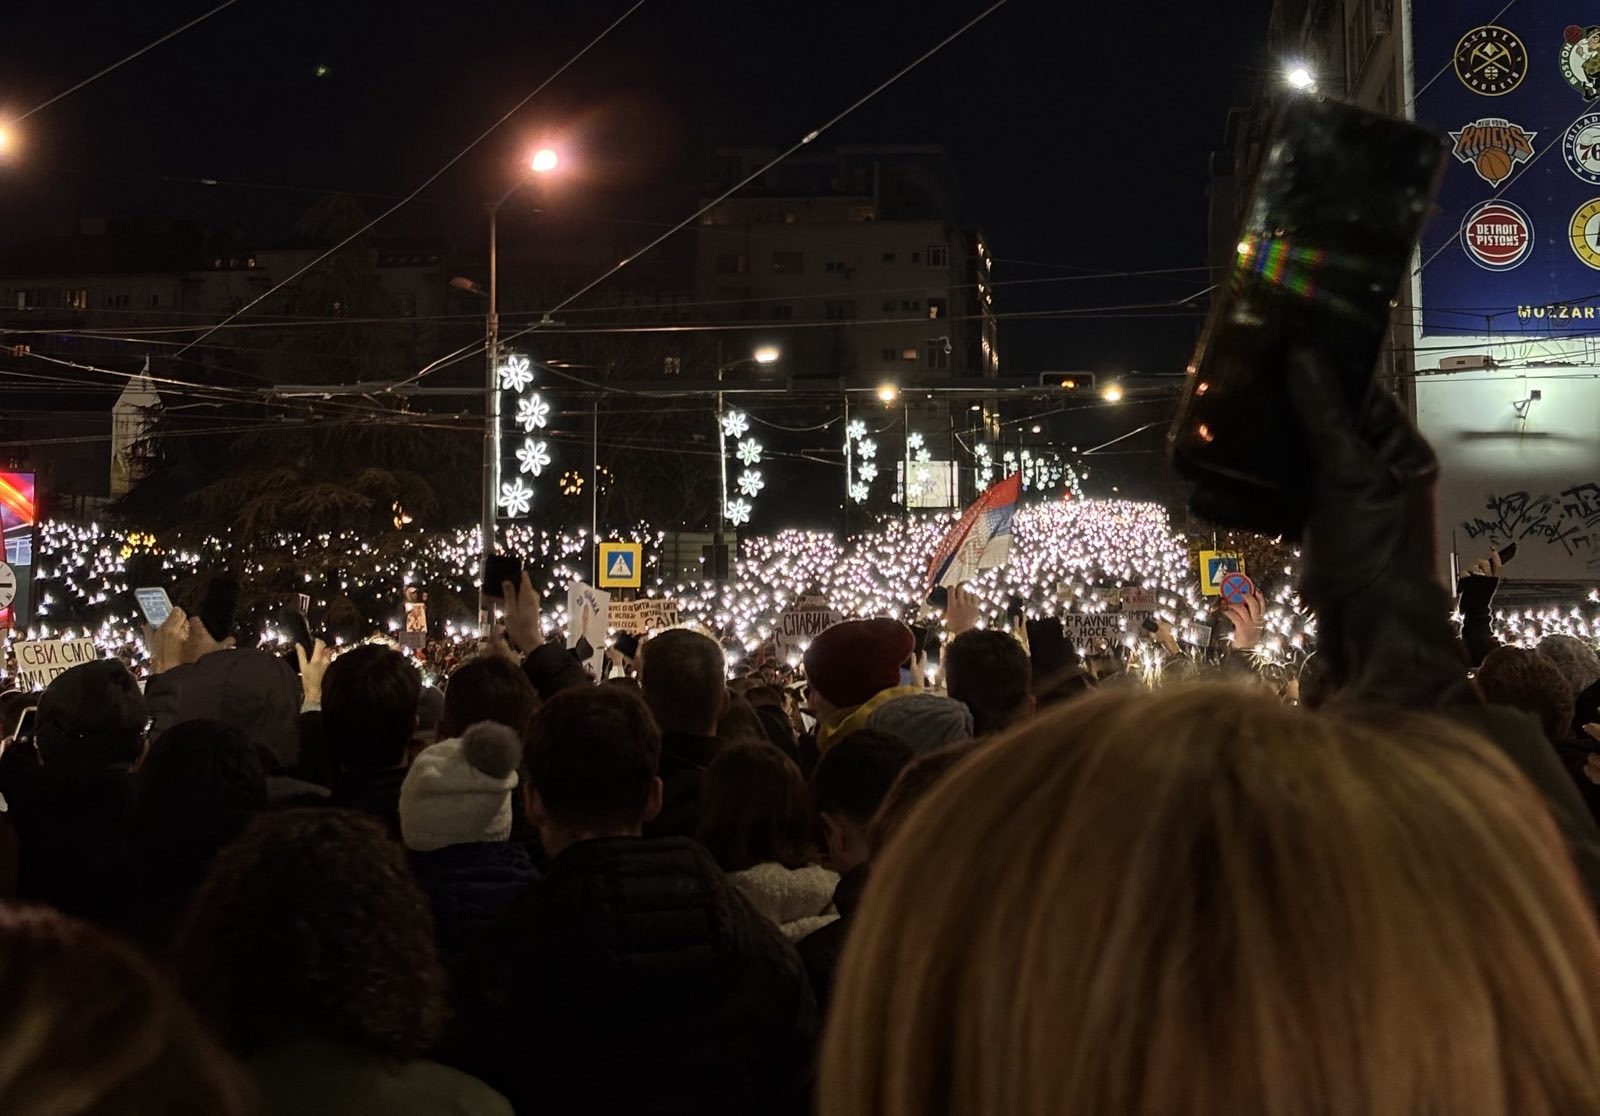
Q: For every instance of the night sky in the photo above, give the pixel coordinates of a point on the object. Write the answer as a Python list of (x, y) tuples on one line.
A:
[(1081, 131)]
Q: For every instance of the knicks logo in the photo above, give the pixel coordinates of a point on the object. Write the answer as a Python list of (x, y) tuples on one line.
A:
[(1493, 147)]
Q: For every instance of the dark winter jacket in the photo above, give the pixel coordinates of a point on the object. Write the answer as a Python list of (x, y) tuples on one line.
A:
[(469, 886), (684, 759), (254, 692), (552, 668), (634, 979), (371, 792), (74, 837), (820, 949)]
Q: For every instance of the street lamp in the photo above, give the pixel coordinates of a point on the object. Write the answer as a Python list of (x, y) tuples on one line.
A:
[(8, 140), (1299, 76), (765, 355), (542, 162), (1112, 394), (888, 393)]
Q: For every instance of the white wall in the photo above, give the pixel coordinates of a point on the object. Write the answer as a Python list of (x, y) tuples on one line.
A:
[(1503, 477)]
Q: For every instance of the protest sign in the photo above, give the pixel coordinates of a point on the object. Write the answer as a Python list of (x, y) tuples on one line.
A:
[(41, 660), (641, 617), (798, 626), (587, 608), (1083, 627)]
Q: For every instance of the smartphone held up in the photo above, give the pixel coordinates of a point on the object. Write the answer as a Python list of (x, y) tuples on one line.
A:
[(1327, 239)]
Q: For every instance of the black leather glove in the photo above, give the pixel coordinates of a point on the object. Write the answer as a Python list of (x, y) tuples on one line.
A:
[(1382, 616)]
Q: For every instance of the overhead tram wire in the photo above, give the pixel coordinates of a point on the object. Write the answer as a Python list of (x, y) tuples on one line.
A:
[(123, 62), (452, 161)]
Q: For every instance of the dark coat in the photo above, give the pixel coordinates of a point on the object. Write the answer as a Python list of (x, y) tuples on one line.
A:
[(634, 979), (376, 793), (469, 887), (820, 949), (74, 837), (684, 759)]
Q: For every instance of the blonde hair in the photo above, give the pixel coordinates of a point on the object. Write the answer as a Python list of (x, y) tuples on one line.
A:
[(1204, 902)]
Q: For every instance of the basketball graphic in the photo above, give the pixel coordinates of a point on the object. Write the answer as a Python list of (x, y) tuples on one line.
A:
[(1494, 165), (1573, 34), (1497, 236)]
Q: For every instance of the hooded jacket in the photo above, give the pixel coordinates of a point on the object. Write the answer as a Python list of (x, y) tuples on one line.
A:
[(635, 978), (923, 719), (796, 900)]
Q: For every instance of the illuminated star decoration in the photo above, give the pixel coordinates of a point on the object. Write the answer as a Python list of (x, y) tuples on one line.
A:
[(858, 493), (516, 498), (749, 452), (532, 411), (738, 512), (750, 482), (533, 456), (516, 374), (868, 472), (868, 448), (735, 423), (856, 431)]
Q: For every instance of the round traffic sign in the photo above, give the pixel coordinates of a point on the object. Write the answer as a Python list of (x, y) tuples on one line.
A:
[(1235, 587)]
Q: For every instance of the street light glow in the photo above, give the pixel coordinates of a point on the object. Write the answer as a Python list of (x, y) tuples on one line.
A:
[(1300, 77), (1112, 394), (545, 160), (6, 140), (888, 393), (767, 354)]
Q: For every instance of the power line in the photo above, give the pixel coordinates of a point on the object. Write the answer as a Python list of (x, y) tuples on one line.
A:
[(118, 65), (457, 157)]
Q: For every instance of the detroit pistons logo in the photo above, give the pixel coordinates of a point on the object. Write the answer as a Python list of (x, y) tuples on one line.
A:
[(1493, 147), (1497, 235)]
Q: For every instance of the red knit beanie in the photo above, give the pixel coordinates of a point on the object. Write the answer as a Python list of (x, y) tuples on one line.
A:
[(850, 662)]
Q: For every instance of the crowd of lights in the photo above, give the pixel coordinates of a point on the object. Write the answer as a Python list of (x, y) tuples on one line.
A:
[(1067, 557)]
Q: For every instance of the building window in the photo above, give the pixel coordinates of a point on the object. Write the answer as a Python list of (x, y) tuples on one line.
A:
[(888, 257), (938, 308), (911, 305), (889, 355), (672, 366), (839, 309), (836, 267), (782, 311), (938, 256), (916, 257), (155, 299), (909, 355), (890, 306), (938, 351), (732, 263), (788, 263), (77, 298)]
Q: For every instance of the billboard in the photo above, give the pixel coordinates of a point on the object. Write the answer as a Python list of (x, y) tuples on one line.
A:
[(1514, 249), (19, 520)]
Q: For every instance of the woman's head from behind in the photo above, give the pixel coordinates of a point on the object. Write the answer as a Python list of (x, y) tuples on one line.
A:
[(1206, 902), (755, 809), (89, 1029), (310, 924)]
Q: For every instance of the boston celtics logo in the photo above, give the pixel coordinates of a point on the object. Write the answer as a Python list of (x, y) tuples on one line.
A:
[(1580, 59)]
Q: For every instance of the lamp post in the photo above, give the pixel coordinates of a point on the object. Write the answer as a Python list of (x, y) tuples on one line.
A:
[(543, 162), (766, 354)]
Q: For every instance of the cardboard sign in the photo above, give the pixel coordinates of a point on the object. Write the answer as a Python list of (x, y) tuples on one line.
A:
[(1136, 598), (621, 565), (1082, 627), (797, 627), (587, 608), (643, 616), (1214, 566), (39, 661)]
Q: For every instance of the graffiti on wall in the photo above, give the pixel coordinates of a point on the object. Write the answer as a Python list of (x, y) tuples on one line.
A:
[(1569, 519)]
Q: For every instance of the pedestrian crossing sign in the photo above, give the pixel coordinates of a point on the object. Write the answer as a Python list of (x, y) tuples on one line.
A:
[(620, 564)]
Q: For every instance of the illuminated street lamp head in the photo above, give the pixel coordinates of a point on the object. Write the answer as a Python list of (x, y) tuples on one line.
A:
[(7, 140), (1300, 77), (545, 160), (888, 393), (767, 354), (1112, 394)]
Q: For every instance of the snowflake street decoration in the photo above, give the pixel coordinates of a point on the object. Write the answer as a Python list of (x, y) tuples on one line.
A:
[(913, 441), (533, 456), (516, 374), (856, 431), (516, 498), (735, 424), (858, 493), (750, 482), (982, 450), (749, 452), (868, 449), (738, 512), (868, 472), (532, 411), (924, 457)]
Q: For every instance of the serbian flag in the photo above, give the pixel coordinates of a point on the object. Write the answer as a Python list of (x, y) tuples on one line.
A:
[(981, 540)]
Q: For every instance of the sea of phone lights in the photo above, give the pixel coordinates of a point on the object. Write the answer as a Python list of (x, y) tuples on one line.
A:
[(1065, 556)]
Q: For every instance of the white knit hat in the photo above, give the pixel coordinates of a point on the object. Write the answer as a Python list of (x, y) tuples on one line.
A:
[(459, 791)]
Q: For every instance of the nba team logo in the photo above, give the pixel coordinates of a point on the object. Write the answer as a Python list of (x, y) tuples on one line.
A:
[(1580, 59), (1498, 236), (1582, 147), (1491, 60), (1585, 233), (1493, 147)]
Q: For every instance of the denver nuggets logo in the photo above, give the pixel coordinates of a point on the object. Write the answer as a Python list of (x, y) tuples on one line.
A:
[(1493, 147), (1491, 60)]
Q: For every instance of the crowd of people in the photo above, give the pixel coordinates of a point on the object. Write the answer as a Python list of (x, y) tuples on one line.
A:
[(1038, 884)]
